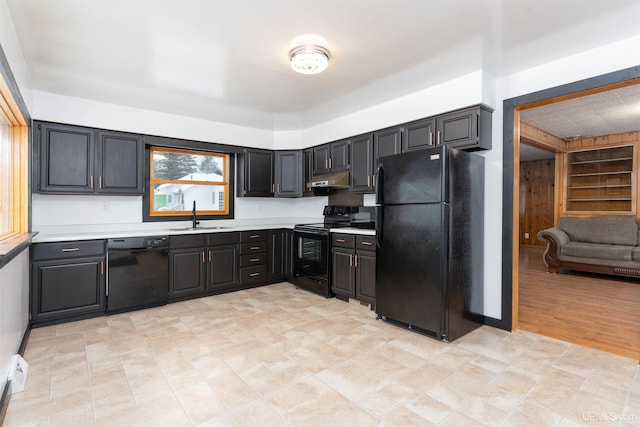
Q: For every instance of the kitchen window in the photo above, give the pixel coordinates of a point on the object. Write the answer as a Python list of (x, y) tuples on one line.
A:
[(178, 178), (13, 166)]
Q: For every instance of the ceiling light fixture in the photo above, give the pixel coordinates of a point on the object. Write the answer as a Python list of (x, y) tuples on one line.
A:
[(309, 59)]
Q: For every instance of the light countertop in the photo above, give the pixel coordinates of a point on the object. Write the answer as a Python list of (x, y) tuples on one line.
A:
[(110, 231)]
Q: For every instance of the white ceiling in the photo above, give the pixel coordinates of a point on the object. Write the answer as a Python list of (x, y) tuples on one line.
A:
[(226, 60)]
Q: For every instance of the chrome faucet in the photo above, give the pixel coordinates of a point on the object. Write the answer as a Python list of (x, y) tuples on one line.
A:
[(195, 220)]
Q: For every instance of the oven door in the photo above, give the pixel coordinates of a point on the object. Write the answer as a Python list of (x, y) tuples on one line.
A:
[(311, 252)]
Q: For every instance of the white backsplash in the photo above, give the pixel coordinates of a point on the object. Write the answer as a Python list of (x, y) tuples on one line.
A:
[(60, 210)]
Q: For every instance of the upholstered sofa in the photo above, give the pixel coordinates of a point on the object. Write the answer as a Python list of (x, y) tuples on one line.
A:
[(600, 244)]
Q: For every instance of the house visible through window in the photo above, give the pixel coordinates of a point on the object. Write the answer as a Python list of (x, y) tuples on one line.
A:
[(178, 178)]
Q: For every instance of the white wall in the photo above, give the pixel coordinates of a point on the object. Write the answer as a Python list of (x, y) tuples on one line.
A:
[(66, 109), (14, 309), (14, 277), (13, 52)]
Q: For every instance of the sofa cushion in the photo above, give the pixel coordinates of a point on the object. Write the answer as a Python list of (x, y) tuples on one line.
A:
[(596, 250), (608, 229)]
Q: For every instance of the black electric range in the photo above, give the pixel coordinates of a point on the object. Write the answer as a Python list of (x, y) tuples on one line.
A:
[(311, 248)]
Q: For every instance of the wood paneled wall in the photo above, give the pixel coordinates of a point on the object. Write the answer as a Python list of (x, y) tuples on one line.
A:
[(537, 185)]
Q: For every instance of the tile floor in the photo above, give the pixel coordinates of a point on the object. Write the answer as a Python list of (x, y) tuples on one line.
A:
[(279, 356)]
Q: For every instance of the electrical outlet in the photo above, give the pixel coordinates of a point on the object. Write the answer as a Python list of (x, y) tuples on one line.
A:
[(526, 235)]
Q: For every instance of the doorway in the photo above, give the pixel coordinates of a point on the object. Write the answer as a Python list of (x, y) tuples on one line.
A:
[(511, 177)]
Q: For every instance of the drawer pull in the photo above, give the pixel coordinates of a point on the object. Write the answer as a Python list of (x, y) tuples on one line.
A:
[(254, 236), (341, 241), (254, 259), (71, 250), (254, 248), (367, 243), (254, 274)]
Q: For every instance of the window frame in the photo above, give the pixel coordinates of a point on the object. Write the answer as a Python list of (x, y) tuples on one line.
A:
[(19, 159), (229, 173)]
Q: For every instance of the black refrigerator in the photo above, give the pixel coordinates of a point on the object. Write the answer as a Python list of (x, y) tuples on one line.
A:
[(430, 237)]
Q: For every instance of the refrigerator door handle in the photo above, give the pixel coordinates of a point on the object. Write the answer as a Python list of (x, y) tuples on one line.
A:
[(379, 227), (379, 179)]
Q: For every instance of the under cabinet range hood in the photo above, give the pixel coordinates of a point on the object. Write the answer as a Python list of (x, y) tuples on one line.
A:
[(330, 180)]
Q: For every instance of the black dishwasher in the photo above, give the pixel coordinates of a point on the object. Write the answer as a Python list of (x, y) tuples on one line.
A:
[(137, 273)]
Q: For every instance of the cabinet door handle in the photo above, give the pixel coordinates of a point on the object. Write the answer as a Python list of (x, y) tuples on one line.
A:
[(367, 243), (254, 248), (254, 259), (71, 250), (100, 181), (438, 138), (368, 180), (350, 260), (209, 256), (430, 138), (340, 240), (202, 256), (326, 163), (254, 236), (356, 263), (91, 181), (330, 163), (273, 188), (254, 274), (102, 268)]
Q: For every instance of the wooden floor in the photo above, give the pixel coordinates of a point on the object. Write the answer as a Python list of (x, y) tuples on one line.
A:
[(596, 311)]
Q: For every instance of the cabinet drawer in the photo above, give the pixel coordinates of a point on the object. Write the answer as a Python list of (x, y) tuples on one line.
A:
[(63, 250), (366, 243), (253, 259), (253, 236), (215, 239), (343, 240), (186, 241), (250, 275), (252, 248)]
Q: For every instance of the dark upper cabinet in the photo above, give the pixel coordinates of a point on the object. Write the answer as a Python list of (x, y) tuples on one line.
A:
[(321, 156), (362, 166), (339, 160), (80, 160), (307, 159), (469, 128), (120, 163), (67, 159), (333, 157), (419, 135), (289, 179), (255, 174)]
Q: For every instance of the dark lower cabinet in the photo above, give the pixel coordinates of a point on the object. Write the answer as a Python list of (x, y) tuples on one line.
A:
[(202, 264), (67, 281), (253, 246), (353, 271), (187, 272), (280, 254), (342, 273), (222, 267)]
